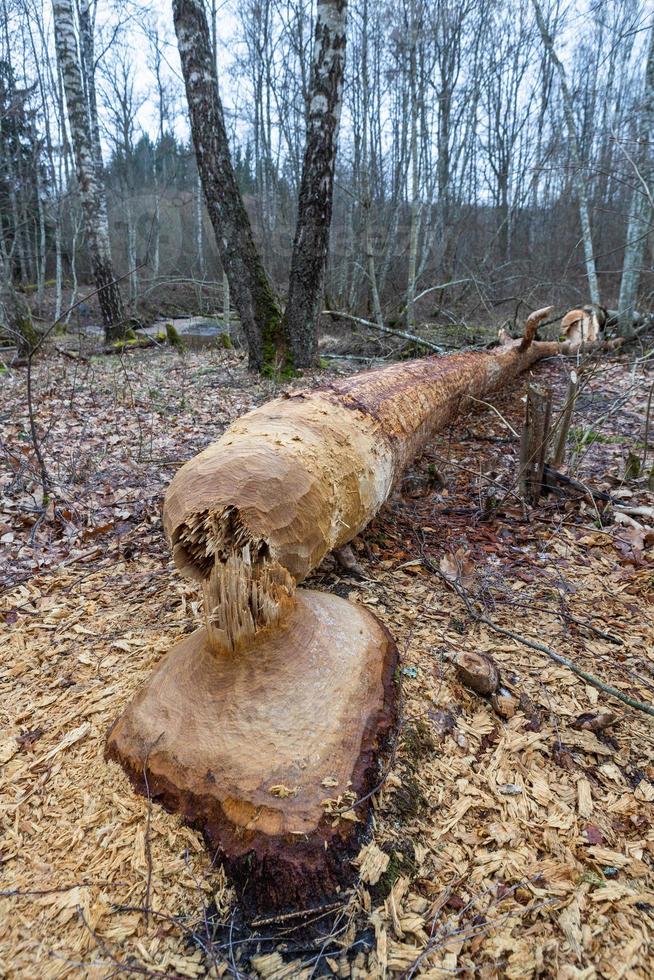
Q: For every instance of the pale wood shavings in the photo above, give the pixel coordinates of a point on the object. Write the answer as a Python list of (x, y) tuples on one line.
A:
[(555, 880), (73, 828)]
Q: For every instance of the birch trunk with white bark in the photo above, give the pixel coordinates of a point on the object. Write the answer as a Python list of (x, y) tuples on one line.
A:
[(250, 287), (91, 190), (640, 216)]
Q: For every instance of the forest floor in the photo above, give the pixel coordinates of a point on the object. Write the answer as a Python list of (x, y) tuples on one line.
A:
[(513, 839)]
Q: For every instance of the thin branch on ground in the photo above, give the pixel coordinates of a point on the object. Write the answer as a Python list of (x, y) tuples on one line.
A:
[(389, 330), (557, 658)]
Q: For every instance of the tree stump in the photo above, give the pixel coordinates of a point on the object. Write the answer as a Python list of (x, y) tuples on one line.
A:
[(533, 443), (260, 750)]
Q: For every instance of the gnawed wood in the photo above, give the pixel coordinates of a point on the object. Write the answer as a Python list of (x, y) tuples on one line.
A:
[(265, 728), (253, 747), (566, 419), (478, 671)]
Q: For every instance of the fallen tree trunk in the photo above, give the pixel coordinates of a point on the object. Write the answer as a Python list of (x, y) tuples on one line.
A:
[(262, 726)]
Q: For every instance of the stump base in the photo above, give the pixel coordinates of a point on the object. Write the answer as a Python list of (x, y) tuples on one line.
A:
[(248, 747)]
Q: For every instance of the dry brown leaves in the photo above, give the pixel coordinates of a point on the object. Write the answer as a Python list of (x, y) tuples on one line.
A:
[(517, 847)]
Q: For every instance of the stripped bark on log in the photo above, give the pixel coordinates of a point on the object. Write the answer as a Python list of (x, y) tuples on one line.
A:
[(286, 697)]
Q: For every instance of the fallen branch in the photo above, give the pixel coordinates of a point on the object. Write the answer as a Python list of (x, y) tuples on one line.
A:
[(388, 330), (550, 473), (478, 617), (121, 347), (441, 285)]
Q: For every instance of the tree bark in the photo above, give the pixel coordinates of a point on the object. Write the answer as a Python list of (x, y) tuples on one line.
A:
[(250, 287), (316, 188), (287, 695), (414, 225), (92, 196), (640, 215), (533, 444), (565, 420)]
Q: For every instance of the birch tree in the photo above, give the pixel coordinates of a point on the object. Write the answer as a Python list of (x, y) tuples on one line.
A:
[(250, 288), (311, 241), (579, 170), (415, 207), (91, 189), (640, 214)]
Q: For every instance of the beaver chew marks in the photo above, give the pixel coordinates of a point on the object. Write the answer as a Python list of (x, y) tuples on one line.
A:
[(265, 728), (242, 597), (206, 536), (244, 589)]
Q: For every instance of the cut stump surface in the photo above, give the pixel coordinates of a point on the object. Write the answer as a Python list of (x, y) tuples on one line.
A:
[(249, 747)]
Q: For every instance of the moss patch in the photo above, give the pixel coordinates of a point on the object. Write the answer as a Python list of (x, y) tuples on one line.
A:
[(277, 358), (173, 337), (28, 337), (402, 862)]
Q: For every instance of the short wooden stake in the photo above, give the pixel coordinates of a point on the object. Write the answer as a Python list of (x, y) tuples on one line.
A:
[(533, 443), (566, 419)]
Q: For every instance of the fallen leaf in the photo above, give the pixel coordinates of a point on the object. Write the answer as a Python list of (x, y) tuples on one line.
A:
[(283, 792), (594, 834)]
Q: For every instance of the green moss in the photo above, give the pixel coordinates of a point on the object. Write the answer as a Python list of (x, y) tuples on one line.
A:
[(31, 287), (402, 862), (173, 337), (28, 337), (225, 341), (125, 342), (277, 358), (632, 467), (586, 437), (408, 800)]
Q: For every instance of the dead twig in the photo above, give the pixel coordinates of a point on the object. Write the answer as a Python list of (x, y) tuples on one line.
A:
[(388, 330), (551, 473), (478, 617), (24, 893)]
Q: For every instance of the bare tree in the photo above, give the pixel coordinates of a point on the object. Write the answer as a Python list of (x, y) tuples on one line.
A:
[(578, 175), (640, 215), (91, 190), (250, 287), (316, 188), (470, 152)]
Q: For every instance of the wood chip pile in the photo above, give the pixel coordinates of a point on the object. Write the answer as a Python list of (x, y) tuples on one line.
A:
[(511, 839)]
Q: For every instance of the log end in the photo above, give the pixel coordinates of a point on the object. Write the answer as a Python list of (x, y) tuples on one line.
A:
[(531, 326), (261, 748)]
